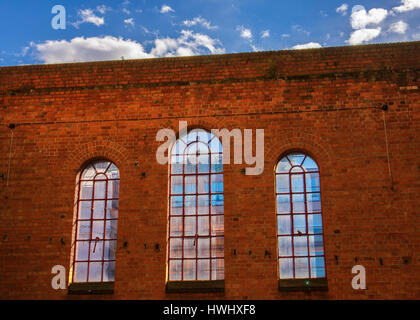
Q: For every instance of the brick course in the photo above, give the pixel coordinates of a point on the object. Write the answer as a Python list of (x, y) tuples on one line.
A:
[(325, 102)]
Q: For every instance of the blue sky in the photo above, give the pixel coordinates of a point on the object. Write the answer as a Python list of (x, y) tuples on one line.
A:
[(109, 30)]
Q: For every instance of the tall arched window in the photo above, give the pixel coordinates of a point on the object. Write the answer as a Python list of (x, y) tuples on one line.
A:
[(299, 218), (95, 223), (196, 208)]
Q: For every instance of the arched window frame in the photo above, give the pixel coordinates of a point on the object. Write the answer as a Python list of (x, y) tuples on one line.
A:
[(97, 212), (215, 206), (289, 218)]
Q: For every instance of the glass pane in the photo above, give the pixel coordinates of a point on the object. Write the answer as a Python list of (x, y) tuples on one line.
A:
[(190, 225), (204, 163), (301, 246), (299, 203), (176, 226), (109, 271), (203, 269), (315, 223), (312, 182), (297, 182), (111, 229), (95, 271), (98, 230), (296, 158), (203, 135), (217, 247), (283, 204), (86, 190), (113, 189), (98, 209), (217, 226), (282, 181), (203, 248), (83, 230), (189, 248), (217, 269), (176, 184), (177, 164), (286, 268), (317, 267), (190, 184), (100, 189), (310, 165), (96, 250), (190, 205), (110, 248), (285, 246), (203, 225), (80, 273), (216, 163), (299, 223), (175, 269), (217, 204), (284, 224), (82, 250), (283, 166), (217, 183), (177, 205), (112, 209), (190, 164), (189, 270), (301, 268), (175, 248), (88, 173), (314, 202), (203, 204), (101, 166), (316, 245), (113, 172), (85, 208), (203, 184)]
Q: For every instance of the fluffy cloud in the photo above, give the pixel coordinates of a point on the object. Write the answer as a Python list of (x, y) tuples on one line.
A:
[(360, 18), (265, 33), (87, 16), (399, 27), (110, 48), (309, 45), (363, 35), (245, 33), (129, 22), (165, 9), (199, 21), (103, 8), (407, 5), (342, 9)]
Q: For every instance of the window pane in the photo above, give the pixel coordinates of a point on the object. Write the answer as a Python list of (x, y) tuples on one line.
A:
[(203, 225), (83, 230), (217, 183), (286, 268), (283, 166), (98, 229), (301, 246), (283, 204), (285, 246), (217, 225), (217, 269), (88, 173), (100, 189), (176, 185), (176, 226), (82, 250), (190, 205), (217, 247), (296, 158), (110, 248), (315, 223), (317, 267), (85, 209), (312, 182), (314, 202), (284, 224), (113, 189), (177, 205), (301, 268), (111, 229), (216, 163), (203, 204), (101, 166), (203, 247), (299, 223), (189, 164), (217, 204), (203, 163), (176, 164), (299, 203), (189, 248), (113, 172), (203, 269), (190, 184), (310, 164), (316, 245), (96, 250), (86, 190), (282, 181), (98, 209), (297, 182), (189, 270), (80, 273), (190, 226), (203, 184), (112, 209), (109, 271), (95, 271), (175, 248), (175, 269)]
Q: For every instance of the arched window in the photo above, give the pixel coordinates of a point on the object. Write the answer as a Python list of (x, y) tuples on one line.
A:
[(299, 218), (95, 223), (196, 208)]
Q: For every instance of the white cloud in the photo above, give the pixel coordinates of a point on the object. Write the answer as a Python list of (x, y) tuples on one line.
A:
[(165, 9), (310, 45), (265, 33), (323, 13), (103, 9), (87, 16), (360, 18), (363, 35), (342, 9), (89, 49), (245, 33), (129, 22), (300, 29), (407, 5), (199, 21), (126, 11), (189, 43), (399, 27)]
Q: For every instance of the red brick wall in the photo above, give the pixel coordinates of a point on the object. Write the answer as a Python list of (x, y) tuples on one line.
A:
[(326, 102)]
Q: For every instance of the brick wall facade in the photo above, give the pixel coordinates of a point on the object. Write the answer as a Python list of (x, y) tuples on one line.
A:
[(325, 102)]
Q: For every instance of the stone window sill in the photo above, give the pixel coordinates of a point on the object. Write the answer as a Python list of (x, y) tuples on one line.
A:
[(91, 288), (195, 286), (287, 285)]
